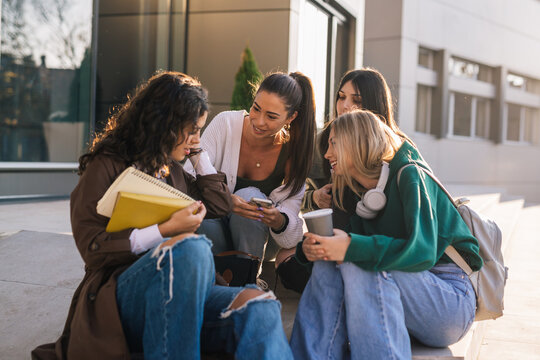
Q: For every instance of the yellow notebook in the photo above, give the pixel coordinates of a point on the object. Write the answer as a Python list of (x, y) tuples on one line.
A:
[(139, 211), (135, 181)]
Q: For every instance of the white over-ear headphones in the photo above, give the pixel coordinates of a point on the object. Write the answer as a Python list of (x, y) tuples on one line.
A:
[(374, 200)]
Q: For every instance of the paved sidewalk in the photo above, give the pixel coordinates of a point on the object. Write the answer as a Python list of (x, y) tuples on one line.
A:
[(40, 268), (39, 271), (516, 336)]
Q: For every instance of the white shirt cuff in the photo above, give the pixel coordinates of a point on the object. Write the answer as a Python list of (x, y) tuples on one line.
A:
[(201, 163), (145, 239)]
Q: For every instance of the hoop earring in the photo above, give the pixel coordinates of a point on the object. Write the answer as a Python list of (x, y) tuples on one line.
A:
[(285, 133)]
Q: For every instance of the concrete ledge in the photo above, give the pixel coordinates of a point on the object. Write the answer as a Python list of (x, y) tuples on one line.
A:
[(38, 274)]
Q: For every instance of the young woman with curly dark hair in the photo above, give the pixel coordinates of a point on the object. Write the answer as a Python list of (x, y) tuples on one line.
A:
[(162, 302)]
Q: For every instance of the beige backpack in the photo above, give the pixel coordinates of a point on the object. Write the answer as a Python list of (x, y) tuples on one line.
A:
[(489, 281)]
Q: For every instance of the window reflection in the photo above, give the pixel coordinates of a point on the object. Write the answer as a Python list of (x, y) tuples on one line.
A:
[(134, 39), (425, 57), (513, 123), (312, 53), (423, 109), (483, 107), (462, 115), (44, 79), (470, 70)]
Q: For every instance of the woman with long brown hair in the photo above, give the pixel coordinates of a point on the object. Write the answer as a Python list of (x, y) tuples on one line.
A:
[(365, 89), (266, 154)]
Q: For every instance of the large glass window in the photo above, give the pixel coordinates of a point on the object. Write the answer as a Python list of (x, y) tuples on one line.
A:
[(423, 109), (470, 115), (523, 83), (483, 111), (45, 62), (470, 70), (462, 115), (513, 123), (522, 124), (425, 57), (532, 126), (323, 50), (135, 38), (312, 50)]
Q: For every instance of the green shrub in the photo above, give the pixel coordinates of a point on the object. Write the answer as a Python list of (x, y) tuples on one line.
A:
[(247, 76)]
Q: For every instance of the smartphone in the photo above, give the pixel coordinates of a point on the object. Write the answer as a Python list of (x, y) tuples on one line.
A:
[(261, 202)]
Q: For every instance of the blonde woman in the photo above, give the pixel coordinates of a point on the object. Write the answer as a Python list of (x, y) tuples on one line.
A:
[(388, 278)]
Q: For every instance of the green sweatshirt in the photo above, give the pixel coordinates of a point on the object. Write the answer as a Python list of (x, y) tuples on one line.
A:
[(412, 231)]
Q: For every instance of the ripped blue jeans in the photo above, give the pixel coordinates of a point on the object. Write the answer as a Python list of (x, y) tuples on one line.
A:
[(170, 308)]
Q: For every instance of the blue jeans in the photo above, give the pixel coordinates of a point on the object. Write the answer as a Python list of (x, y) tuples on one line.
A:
[(171, 309), (348, 312), (234, 232)]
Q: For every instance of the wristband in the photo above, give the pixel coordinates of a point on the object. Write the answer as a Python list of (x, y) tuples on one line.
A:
[(284, 226)]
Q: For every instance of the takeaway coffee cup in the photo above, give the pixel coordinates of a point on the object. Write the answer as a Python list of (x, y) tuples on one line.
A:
[(320, 222)]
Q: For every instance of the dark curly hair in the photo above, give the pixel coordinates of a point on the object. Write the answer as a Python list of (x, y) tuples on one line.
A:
[(150, 124)]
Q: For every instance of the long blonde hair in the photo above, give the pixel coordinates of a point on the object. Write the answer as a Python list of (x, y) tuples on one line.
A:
[(363, 140)]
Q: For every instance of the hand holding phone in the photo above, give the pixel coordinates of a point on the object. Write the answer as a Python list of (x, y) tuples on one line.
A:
[(265, 203)]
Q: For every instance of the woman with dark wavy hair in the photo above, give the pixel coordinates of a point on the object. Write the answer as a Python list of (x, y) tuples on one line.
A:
[(162, 303), (364, 89)]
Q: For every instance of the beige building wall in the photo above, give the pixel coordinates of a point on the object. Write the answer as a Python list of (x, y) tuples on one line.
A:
[(496, 33), (219, 30)]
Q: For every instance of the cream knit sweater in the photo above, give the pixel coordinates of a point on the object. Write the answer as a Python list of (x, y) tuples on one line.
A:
[(221, 140)]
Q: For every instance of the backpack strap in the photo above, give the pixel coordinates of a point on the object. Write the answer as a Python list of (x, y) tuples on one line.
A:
[(458, 259), (450, 250)]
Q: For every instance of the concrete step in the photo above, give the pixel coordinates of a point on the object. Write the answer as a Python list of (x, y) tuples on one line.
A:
[(481, 202), (506, 214), (467, 348), (39, 272)]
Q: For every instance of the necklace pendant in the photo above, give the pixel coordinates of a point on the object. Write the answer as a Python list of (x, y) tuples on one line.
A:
[(258, 165)]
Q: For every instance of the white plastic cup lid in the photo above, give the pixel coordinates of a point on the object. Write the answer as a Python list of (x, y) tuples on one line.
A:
[(317, 213)]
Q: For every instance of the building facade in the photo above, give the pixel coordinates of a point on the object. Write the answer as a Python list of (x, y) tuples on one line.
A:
[(65, 65), (464, 75), (466, 78)]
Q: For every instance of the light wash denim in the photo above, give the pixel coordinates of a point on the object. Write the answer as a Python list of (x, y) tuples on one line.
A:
[(347, 312), (171, 309), (234, 232)]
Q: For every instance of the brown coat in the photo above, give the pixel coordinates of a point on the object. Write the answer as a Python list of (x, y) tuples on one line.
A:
[(93, 329)]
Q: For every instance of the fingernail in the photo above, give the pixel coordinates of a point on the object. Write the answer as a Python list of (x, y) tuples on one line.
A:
[(258, 219), (261, 215), (259, 208)]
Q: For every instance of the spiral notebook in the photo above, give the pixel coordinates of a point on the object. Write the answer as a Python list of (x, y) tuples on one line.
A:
[(135, 181), (139, 211)]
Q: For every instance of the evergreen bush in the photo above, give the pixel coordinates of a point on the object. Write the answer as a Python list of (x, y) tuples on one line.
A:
[(247, 76)]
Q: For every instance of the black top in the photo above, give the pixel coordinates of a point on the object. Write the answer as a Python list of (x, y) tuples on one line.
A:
[(274, 180)]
